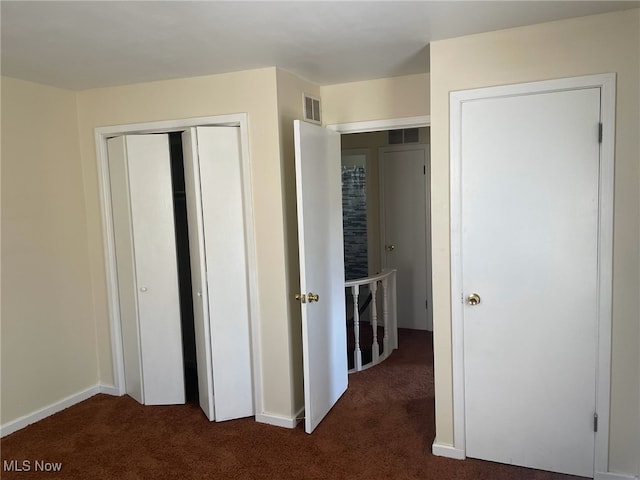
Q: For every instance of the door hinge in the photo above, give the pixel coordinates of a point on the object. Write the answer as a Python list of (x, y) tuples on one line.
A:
[(595, 422), (600, 132), (424, 169), (426, 304)]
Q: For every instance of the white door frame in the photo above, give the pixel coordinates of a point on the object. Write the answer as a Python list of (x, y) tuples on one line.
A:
[(606, 83), (101, 134), (378, 125)]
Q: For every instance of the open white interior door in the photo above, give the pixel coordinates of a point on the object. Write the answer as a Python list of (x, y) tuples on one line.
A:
[(324, 336), (217, 242)]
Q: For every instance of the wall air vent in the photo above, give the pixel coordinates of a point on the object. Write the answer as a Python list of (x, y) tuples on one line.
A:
[(311, 106), (407, 135)]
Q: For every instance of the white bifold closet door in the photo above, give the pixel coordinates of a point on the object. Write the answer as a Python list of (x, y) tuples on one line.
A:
[(142, 207), (142, 204), (218, 248)]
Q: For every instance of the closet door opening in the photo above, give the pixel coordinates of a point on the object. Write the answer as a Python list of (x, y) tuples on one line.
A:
[(149, 203), (184, 268), (179, 259)]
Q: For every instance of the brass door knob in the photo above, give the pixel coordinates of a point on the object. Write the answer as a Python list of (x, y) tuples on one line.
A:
[(390, 248), (301, 297), (313, 297), (473, 299)]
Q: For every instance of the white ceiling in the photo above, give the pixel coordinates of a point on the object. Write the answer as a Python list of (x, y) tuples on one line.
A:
[(86, 44)]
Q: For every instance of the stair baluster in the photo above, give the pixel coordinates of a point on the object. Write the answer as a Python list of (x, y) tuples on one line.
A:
[(393, 313), (375, 349), (357, 354), (387, 281), (385, 313)]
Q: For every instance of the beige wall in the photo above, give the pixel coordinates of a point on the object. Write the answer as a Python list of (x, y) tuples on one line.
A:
[(582, 46), (370, 100), (253, 92), (380, 99), (290, 90), (360, 101), (384, 98), (63, 226), (48, 329)]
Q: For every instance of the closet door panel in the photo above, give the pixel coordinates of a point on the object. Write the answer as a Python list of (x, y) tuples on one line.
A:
[(225, 251), (123, 236), (198, 272), (156, 271)]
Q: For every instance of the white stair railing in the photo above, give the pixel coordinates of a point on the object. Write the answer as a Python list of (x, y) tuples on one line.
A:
[(387, 280)]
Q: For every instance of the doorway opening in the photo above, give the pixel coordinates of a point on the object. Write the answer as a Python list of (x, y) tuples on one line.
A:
[(184, 268), (385, 188), (148, 200)]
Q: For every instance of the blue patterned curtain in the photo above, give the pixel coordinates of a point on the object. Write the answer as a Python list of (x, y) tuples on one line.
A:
[(354, 219)]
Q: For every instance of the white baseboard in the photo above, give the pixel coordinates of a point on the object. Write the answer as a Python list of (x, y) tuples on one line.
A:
[(110, 390), (440, 450), (300, 415), (448, 451), (19, 423), (279, 421), (613, 476)]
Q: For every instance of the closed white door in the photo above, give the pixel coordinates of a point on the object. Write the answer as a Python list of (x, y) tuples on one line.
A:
[(140, 175), (217, 238), (324, 336), (403, 180), (530, 172)]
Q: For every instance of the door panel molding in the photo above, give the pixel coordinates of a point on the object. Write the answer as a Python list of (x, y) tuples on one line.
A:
[(101, 134), (606, 84)]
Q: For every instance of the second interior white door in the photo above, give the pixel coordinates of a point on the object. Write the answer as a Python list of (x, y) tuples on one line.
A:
[(403, 177), (530, 173)]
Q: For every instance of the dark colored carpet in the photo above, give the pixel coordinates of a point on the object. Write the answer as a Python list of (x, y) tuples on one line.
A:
[(382, 428)]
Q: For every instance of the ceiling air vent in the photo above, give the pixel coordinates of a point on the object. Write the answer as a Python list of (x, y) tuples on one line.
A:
[(311, 108)]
